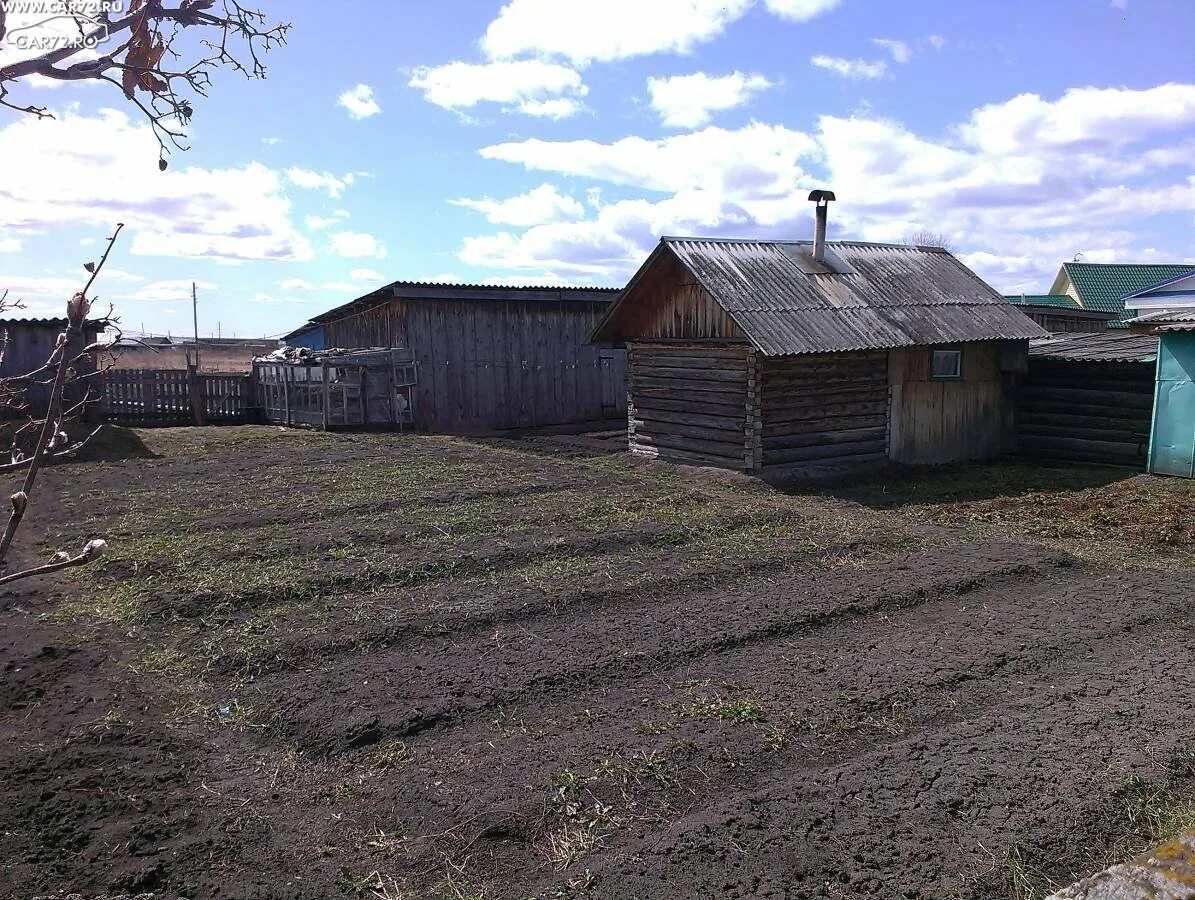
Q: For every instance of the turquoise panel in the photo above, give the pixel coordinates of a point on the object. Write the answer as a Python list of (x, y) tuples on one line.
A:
[(1172, 447)]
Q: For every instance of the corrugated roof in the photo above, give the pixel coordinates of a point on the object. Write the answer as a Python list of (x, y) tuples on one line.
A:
[(1051, 300), (1168, 320), (49, 323), (435, 290), (886, 295), (1096, 346), (1104, 286)]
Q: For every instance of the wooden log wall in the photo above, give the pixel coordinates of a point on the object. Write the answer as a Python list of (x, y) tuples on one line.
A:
[(1091, 412), (495, 364), (690, 403), (823, 409)]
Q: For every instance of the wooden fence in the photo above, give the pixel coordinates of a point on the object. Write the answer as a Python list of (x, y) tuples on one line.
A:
[(165, 397)]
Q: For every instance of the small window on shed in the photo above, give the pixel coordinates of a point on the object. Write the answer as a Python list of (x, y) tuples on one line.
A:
[(946, 365)]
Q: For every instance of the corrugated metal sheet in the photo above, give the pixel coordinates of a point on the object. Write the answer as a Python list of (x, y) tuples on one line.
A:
[(434, 290), (892, 296), (1096, 346), (1168, 320)]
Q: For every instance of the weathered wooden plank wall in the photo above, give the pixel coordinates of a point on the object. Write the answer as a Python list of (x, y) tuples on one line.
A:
[(1096, 412), (671, 305), (29, 346), (689, 402), (935, 422), (824, 409), (494, 364)]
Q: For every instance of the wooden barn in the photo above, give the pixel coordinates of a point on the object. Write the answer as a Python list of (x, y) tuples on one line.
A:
[(773, 356), (490, 357)]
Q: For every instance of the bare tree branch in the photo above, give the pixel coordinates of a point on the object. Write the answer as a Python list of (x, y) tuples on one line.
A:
[(145, 37), (52, 431)]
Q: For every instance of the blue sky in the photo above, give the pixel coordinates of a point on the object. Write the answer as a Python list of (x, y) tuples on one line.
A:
[(552, 141)]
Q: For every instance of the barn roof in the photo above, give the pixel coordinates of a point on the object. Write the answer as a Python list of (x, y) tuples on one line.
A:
[(1096, 346), (429, 290), (868, 296)]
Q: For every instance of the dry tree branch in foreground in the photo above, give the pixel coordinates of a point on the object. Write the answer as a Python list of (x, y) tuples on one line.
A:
[(141, 56), (52, 441)]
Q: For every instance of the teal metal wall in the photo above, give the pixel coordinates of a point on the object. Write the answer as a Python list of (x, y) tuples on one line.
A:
[(1172, 446)]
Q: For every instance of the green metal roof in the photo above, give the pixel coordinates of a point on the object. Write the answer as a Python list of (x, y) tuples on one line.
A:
[(1054, 300), (1103, 286)]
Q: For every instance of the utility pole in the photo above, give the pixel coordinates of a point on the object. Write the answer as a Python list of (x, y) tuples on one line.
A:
[(195, 315)]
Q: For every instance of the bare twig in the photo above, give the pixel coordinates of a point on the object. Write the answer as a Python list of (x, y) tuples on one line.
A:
[(51, 427)]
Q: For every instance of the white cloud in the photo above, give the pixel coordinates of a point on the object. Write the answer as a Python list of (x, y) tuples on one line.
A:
[(1016, 185), (899, 50), (366, 275), (93, 171), (10, 245), (761, 159), (936, 41), (560, 108), (271, 141), (1114, 116), (536, 207), (529, 86), (295, 284), (319, 181), (583, 31), (357, 245), (360, 102), (686, 101), (171, 290), (801, 10), (270, 298), (854, 69)]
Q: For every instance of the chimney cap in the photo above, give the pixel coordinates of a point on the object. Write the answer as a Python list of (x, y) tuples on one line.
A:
[(820, 196)]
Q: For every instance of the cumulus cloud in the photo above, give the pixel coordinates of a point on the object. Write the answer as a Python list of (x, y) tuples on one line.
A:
[(357, 245), (801, 10), (319, 181), (854, 69), (359, 102), (10, 245), (529, 86), (1017, 185), (538, 206), (898, 50), (92, 170), (366, 275), (583, 31), (687, 101)]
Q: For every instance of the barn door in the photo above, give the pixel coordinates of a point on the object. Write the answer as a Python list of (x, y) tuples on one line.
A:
[(614, 383)]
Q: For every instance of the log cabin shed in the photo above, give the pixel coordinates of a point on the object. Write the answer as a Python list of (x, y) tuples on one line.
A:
[(782, 356)]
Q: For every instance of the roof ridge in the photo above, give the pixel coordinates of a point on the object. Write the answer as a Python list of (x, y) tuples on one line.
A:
[(839, 243)]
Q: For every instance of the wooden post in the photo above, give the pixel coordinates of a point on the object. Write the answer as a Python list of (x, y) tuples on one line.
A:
[(286, 392), (195, 388), (327, 393)]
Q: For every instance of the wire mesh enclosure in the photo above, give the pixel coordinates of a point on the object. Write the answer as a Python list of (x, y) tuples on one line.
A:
[(338, 389)]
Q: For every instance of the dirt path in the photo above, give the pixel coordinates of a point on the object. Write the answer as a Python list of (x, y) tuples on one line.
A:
[(826, 704)]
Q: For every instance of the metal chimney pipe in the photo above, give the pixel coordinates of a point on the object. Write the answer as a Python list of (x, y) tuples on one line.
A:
[(821, 212)]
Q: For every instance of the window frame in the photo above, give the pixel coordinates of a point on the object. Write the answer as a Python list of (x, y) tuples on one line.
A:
[(958, 351)]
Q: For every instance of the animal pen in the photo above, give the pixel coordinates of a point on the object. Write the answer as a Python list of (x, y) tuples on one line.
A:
[(338, 388)]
